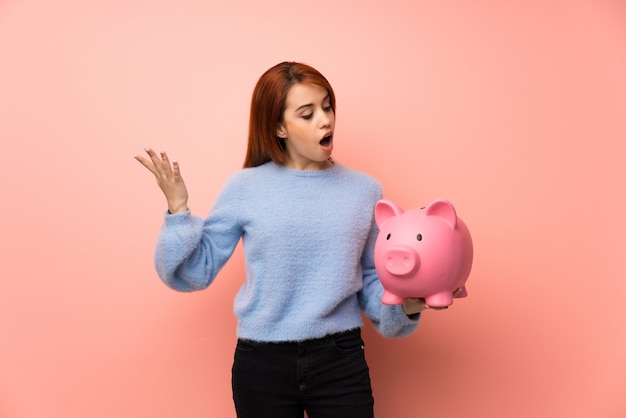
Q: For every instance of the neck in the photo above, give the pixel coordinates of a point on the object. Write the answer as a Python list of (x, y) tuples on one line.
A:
[(310, 166)]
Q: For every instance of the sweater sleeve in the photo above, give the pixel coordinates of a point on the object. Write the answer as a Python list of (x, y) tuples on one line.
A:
[(190, 252), (389, 320)]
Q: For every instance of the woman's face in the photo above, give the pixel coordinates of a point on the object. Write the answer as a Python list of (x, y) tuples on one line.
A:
[(307, 127)]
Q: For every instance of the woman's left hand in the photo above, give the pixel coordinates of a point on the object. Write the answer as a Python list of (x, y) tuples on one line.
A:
[(416, 305)]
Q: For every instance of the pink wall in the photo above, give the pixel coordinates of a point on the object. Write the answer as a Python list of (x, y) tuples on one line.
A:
[(513, 110)]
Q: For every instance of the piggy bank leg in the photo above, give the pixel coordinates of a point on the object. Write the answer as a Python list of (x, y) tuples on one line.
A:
[(461, 293), (391, 298), (439, 300)]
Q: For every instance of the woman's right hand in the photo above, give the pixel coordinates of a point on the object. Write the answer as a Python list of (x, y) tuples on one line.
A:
[(168, 178)]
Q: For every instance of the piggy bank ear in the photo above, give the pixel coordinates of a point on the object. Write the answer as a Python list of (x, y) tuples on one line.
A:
[(386, 209), (443, 209)]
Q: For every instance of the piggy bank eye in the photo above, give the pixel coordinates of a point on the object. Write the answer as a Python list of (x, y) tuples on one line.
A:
[(419, 237), (388, 236)]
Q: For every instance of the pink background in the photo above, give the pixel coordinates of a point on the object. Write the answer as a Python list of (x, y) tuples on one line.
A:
[(513, 110)]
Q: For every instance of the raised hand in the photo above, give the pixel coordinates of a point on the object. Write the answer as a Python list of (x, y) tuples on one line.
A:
[(168, 178)]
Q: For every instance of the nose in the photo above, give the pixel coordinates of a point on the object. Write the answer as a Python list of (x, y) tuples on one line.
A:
[(401, 261), (325, 119)]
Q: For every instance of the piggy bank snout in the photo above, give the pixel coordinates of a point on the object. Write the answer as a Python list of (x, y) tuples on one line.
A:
[(401, 260)]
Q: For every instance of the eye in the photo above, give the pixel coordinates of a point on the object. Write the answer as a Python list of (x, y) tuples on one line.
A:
[(419, 237), (307, 117), (388, 236), (328, 108)]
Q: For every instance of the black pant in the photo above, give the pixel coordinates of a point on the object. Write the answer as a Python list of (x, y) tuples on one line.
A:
[(328, 377)]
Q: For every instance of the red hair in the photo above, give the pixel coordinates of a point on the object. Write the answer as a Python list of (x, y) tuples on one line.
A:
[(268, 107)]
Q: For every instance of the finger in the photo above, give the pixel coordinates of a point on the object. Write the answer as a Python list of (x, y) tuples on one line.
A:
[(162, 167), (166, 163), (146, 164), (161, 163), (156, 161), (176, 170), (421, 303)]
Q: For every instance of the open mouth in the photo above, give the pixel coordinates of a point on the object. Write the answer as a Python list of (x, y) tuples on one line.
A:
[(326, 141)]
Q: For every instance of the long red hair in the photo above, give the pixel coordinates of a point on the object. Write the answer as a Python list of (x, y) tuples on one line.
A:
[(268, 107)]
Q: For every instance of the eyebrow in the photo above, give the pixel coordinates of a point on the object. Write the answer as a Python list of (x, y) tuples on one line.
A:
[(304, 106)]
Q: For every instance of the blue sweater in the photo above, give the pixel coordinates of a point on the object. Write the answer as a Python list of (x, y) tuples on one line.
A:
[(308, 239)]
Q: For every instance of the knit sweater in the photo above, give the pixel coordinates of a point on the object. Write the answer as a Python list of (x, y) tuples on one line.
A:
[(308, 239)]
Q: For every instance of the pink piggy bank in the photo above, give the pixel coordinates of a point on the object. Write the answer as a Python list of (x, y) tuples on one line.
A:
[(422, 253)]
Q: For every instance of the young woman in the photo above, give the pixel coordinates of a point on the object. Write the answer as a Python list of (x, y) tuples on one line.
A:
[(308, 232)]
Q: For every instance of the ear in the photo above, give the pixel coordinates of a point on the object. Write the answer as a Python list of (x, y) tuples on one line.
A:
[(281, 132), (384, 210), (443, 209)]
